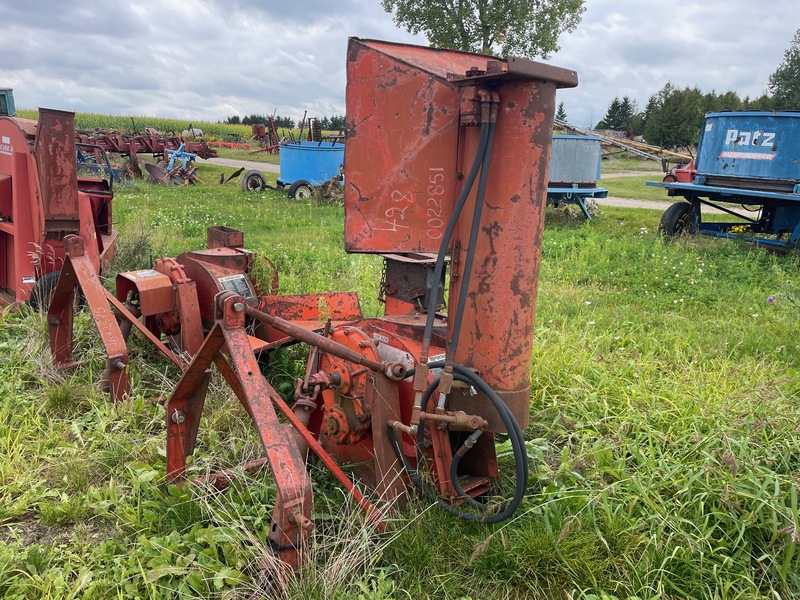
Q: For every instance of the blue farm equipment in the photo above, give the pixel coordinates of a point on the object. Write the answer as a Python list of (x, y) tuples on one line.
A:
[(7, 108), (179, 169), (745, 158), (305, 165), (575, 170)]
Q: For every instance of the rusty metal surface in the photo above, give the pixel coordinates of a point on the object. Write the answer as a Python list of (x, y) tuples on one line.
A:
[(212, 270), (153, 288), (313, 308), (55, 158), (497, 328), (41, 202), (402, 169), (219, 236), (78, 271), (126, 314), (22, 220), (383, 396), (291, 516), (404, 110)]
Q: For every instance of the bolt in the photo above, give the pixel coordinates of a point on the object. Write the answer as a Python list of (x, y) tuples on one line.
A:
[(119, 365), (55, 321), (238, 307), (178, 417), (332, 426)]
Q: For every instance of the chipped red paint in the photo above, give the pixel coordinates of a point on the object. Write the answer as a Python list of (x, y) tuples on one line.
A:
[(411, 116)]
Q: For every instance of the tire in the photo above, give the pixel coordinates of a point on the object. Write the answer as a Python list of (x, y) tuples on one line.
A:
[(252, 181), (677, 220), (670, 178), (301, 190), (43, 290)]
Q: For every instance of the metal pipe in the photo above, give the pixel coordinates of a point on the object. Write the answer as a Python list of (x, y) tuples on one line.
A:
[(393, 370)]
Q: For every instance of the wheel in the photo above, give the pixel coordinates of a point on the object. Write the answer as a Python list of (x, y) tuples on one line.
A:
[(670, 178), (678, 219), (252, 181), (301, 190), (43, 290)]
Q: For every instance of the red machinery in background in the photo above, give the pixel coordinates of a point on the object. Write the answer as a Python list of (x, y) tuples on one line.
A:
[(42, 200), (446, 160)]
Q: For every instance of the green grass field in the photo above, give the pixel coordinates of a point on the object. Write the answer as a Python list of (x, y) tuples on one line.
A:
[(634, 187), (663, 444)]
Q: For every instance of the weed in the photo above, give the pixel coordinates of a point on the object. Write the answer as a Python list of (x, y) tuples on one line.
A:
[(662, 437)]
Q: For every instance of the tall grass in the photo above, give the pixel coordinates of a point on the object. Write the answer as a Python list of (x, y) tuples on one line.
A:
[(663, 442)]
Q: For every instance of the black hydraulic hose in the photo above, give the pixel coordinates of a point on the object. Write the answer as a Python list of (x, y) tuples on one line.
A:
[(473, 238), (517, 444), (448, 232)]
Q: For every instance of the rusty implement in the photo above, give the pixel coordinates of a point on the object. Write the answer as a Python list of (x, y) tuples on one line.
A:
[(446, 173), (43, 198), (416, 396), (223, 180), (291, 521), (175, 176), (79, 271)]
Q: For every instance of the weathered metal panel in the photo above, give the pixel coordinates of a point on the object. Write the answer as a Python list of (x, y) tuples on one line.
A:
[(402, 173), (408, 150), (756, 145), (575, 159), (7, 107), (314, 162), (55, 158)]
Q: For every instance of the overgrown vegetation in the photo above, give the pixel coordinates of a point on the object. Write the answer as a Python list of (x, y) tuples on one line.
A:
[(663, 441)]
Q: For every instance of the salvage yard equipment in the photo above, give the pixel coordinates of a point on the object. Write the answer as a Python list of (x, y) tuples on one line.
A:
[(306, 165), (411, 399), (267, 137), (150, 142), (575, 170), (745, 158), (7, 108), (42, 201), (179, 170)]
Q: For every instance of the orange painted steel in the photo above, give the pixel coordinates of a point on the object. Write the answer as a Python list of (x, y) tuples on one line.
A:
[(78, 271), (418, 119), (42, 199), (411, 113)]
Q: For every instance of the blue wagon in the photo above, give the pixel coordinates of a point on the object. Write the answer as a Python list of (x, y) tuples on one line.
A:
[(746, 158), (575, 171), (305, 165)]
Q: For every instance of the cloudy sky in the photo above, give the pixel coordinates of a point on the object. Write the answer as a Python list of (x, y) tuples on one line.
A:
[(208, 59)]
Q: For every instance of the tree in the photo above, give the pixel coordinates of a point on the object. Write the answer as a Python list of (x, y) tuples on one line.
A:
[(561, 113), (622, 115), (784, 83), (510, 27), (673, 116)]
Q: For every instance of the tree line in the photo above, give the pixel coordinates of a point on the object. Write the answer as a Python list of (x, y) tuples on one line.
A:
[(332, 123), (673, 116)]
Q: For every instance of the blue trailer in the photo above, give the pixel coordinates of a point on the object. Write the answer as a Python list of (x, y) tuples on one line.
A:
[(746, 158), (575, 171), (306, 165)]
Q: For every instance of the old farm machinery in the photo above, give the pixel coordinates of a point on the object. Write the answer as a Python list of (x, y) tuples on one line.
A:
[(744, 158), (43, 201), (446, 166)]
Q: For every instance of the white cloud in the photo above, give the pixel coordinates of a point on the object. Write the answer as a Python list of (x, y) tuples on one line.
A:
[(209, 59)]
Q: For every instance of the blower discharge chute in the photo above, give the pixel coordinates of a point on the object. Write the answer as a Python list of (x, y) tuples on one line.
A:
[(446, 163)]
